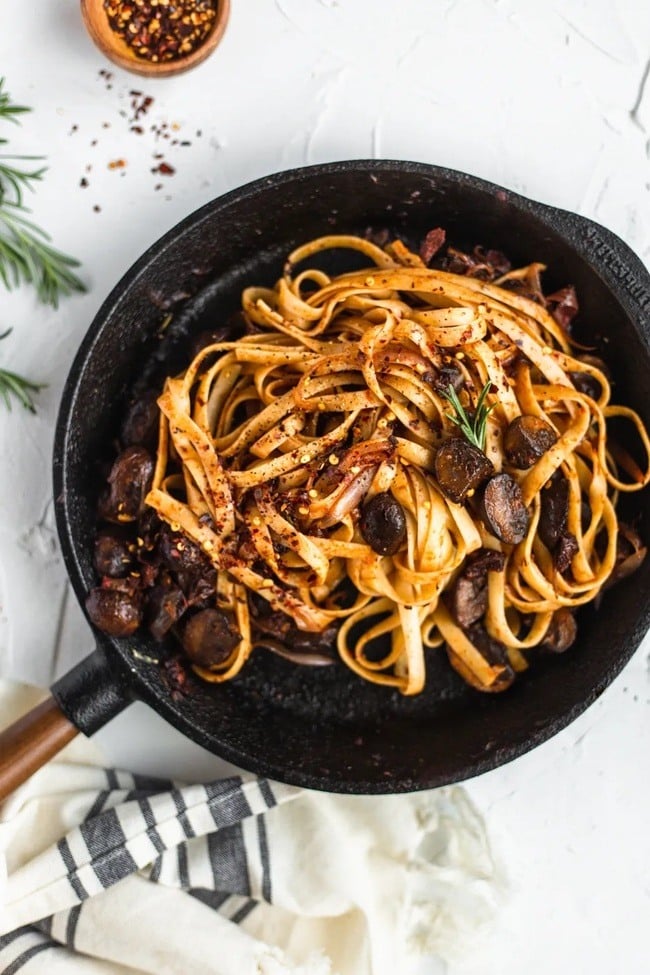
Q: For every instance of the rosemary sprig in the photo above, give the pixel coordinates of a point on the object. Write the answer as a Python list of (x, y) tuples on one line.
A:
[(12, 384), (26, 255), (16, 180), (8, 110), (474, 427)]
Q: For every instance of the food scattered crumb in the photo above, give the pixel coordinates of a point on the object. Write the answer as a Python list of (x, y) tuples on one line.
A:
[(164, 169), (117, 164), (97, 208), (83, 182)]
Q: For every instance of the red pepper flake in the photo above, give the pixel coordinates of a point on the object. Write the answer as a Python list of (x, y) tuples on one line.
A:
[(160, 30), (164, 169), (117, 164)]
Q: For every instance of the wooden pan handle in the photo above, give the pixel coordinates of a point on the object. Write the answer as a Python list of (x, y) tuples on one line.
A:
[(30, 742)]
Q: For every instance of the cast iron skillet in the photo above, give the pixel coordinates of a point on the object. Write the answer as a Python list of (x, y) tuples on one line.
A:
[(323, 728)]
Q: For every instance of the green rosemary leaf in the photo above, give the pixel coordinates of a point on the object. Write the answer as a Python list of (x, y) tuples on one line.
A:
[(14, 180), (474, 428), (11, 384), (9, 111), (26, 254)]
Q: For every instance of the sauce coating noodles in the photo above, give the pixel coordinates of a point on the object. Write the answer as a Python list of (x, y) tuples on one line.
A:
[(271, 447)]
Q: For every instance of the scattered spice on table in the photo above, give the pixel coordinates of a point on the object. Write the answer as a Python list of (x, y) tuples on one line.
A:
[(161, 30), (117, 164)]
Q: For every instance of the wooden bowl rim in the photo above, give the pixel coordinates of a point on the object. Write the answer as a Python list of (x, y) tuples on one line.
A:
[(116, 50)]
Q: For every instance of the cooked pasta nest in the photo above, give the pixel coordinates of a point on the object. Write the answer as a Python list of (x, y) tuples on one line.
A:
[(271, 446)]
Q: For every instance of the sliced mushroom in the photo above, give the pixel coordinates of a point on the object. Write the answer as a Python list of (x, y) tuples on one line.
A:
[(140, 425), (561, 633), (468, 597), (554, 498), (503, 509), (448, 374), (165, 606), (111, 555), (564, 551), (225, 333), (527, 439), (460, 467), (180, 553), (114, 612), (209, 637), (630, 553), (383, 524), (563, 306), (128, 485)]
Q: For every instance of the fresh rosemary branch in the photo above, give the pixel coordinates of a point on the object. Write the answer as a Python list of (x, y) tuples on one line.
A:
[(26, 255), (9, 111), (13, 385), (17, 180), (474, 427)]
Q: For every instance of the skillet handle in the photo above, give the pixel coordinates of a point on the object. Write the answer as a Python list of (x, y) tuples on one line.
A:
[(84, 699), (30, 742)]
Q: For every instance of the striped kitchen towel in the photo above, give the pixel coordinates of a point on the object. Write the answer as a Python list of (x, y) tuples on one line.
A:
[(103, 871)]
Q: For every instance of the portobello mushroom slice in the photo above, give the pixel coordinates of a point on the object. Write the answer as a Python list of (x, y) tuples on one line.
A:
[(527, 439), (460, 468)]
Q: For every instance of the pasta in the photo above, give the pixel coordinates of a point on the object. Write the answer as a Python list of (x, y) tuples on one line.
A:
[(290, 455)]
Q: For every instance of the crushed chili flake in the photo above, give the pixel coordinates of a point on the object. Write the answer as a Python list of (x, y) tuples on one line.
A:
[(159, 30), (117, 164), (164, 169)]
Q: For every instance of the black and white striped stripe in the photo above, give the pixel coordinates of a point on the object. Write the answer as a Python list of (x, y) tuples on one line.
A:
[(209, 840)]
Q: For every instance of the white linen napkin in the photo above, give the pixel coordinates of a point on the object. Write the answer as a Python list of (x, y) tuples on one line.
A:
[(103, 871)]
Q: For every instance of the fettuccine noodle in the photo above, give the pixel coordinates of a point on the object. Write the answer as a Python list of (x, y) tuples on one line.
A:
[(272, 444)]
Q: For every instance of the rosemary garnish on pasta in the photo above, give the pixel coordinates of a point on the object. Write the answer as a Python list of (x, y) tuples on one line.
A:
[(474, 427)]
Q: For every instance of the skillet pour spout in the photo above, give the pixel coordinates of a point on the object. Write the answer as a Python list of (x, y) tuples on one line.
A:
[(322, 727)]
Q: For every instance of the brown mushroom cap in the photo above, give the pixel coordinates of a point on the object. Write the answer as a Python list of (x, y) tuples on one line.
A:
[(383, 524), (209, 637), (503, 509), (460, 467), (113, 611), (527, 439)]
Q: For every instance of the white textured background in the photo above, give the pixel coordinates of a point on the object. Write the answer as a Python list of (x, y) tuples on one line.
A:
[(549, 99)]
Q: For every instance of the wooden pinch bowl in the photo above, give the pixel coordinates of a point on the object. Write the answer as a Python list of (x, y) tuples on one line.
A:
[(118, 51)]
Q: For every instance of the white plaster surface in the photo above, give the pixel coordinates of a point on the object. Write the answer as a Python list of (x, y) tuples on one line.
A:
[(549, 99)]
